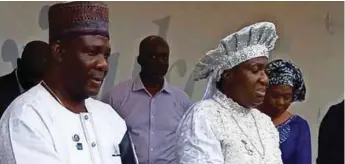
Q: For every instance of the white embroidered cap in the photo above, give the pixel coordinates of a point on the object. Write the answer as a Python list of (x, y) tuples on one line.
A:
[(250, 42)]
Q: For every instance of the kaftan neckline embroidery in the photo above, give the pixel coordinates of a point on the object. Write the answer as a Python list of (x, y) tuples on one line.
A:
[(234, 107), (230, 105)]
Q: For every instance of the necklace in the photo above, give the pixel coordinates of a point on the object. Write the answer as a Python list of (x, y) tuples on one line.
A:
[(230, 106), (52, 93), (257, 130), (56, 97)]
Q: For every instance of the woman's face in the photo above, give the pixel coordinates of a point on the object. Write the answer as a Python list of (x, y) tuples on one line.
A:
[(248, 82), (277, 99)]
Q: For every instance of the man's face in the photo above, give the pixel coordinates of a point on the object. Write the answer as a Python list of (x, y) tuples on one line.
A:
[(249, 81), (155, 62), (85, 64)]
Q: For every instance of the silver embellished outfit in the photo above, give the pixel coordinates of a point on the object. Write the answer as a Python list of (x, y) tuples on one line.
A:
[(217, 130)]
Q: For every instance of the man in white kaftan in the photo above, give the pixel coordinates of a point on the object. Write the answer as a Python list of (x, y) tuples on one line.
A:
[(56, 121), (217, 129), (37, 129)]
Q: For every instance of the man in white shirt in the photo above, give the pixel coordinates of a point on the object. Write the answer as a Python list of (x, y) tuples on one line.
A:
[(56, 122)]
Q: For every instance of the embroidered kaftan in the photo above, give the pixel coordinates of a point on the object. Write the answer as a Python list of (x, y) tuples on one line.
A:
[(220, 131)]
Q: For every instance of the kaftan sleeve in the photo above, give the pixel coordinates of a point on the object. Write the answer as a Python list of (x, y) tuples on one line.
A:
[(197, 143), (277, 154), (25, 139)]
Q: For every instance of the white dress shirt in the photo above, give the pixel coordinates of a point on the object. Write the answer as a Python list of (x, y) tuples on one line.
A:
[(37, 129)]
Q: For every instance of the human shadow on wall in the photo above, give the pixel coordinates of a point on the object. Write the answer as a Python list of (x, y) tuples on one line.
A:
[(9, 49), (43, 18), (9, 52)]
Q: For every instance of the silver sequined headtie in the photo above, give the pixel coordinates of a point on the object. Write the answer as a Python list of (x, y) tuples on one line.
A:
[(250, 42)]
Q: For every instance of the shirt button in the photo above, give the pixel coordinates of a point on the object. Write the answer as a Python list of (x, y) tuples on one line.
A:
[(86, 117), (93, 144), (76, 138), (151, 149)]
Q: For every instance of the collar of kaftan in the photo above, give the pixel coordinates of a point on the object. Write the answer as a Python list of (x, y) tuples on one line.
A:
[(230, 104)]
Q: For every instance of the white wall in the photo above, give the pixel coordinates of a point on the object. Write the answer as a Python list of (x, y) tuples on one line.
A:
[(311, 34)]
